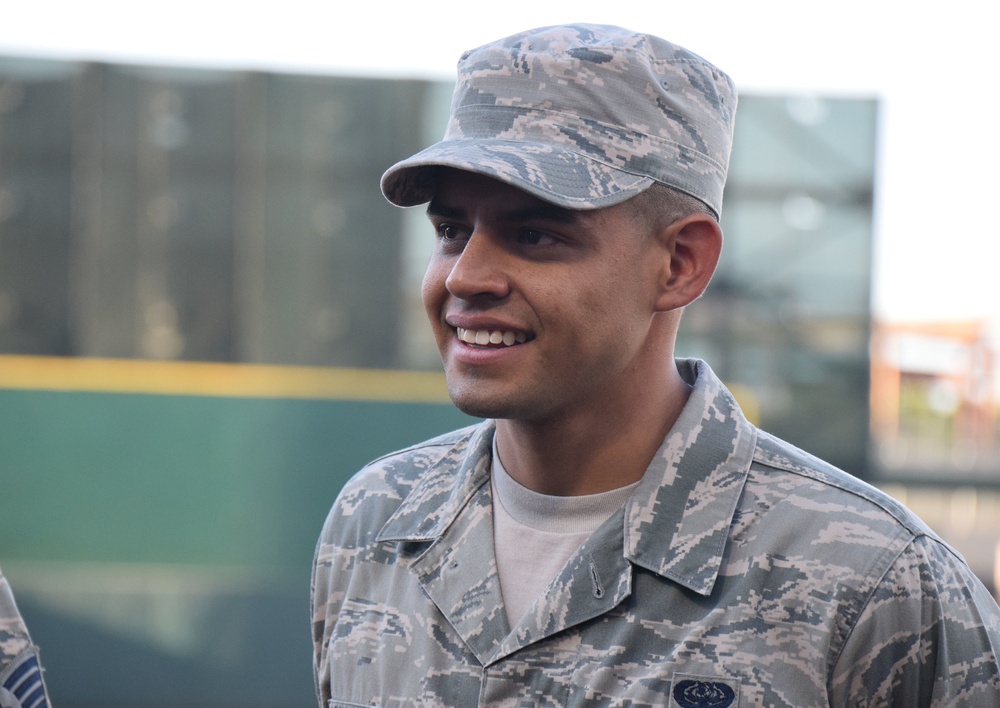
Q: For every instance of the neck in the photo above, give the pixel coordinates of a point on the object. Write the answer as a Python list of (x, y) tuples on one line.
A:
[(599, 448)]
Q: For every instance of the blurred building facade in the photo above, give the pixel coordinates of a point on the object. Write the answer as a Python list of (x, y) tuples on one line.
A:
[(934, 400), (194, 215)]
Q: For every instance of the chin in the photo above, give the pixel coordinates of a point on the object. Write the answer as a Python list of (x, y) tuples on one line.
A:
[(478, 405), (479, 408), (498, 407)]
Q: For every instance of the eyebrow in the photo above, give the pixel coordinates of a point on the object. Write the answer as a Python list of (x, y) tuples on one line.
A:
[(436, 208), (540, 212)]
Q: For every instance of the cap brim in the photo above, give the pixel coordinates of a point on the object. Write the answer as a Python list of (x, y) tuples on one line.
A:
[(563, 177)]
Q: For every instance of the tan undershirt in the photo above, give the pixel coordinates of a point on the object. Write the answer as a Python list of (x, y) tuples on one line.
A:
[(536, 534)]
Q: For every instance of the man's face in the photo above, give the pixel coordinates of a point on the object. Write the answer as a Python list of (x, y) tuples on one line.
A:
[(538, 311)]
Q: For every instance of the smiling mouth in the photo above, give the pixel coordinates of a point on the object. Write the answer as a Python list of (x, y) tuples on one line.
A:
[(486, 337)]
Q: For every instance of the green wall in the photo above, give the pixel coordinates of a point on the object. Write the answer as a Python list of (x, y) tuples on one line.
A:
[(160, 546)]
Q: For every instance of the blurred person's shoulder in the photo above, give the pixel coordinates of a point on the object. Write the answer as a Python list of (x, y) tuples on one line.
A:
[(21, 680), (13, 633)]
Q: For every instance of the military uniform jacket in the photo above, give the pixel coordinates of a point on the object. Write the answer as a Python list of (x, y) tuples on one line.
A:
[(741, 572)]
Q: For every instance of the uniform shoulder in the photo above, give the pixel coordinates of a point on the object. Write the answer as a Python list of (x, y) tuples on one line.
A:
[(829, 485), (403, 467), (431, 446), (374, 493)]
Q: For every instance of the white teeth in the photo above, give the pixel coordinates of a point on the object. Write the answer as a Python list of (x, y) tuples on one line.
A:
[(483, 337)]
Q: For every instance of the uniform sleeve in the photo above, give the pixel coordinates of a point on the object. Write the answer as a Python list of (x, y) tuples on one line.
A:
[(357, 515), (20, 669), (324, 607), (929, 635)]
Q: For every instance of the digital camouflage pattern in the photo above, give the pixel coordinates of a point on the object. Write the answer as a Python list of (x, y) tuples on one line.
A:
[(741, 572), (21, 683), (583, 116)]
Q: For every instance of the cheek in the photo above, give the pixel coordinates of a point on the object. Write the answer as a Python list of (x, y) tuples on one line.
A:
[(615, 312), (608, 296), (432, 288), (589, 320)]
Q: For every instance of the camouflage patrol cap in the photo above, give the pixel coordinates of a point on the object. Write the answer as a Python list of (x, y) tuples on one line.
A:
[(583, 116)]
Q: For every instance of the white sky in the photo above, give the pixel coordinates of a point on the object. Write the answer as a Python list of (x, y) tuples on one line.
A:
[(937, 242)]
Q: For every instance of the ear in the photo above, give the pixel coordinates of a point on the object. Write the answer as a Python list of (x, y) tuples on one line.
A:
[(691, 248)]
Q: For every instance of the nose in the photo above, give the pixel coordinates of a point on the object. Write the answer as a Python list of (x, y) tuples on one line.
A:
[(480, 270)]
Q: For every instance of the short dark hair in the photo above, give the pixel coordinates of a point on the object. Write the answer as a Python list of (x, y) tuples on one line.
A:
[(661, 205)]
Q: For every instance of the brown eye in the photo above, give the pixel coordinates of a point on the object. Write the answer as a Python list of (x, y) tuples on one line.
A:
[(530, 237), (447, 232)]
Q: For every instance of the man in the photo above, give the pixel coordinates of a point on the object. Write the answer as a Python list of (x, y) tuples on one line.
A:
[(21, 683), (616, 532)]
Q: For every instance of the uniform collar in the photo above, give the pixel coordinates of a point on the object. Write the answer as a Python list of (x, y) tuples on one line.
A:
[(676, 522), (446, 485)]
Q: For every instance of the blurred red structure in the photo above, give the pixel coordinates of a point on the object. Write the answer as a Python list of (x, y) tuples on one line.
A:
[(934, 392)]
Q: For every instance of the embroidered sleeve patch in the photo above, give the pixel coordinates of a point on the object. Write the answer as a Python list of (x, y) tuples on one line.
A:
[(703, 692), (21, 684)]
